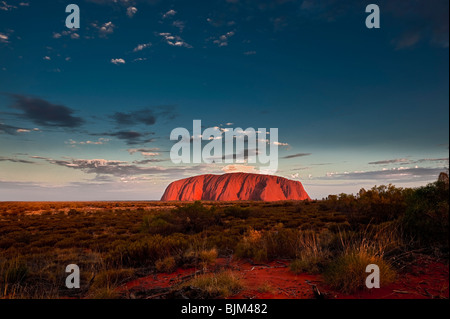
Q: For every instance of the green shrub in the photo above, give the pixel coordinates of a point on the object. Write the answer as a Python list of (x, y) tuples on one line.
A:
[(161, 223), (237, 212), (188, 219), (427, 216), (147, 251), (196, 217), (282, 243)]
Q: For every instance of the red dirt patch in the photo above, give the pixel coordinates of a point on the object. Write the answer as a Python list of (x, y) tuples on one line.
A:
[(159, 280), (275, 281), (424, 280)]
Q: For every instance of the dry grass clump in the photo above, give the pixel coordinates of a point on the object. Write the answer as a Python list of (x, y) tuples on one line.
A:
[(313, 252), (218, 285), (347, 272), (106, 282), (166, 265)]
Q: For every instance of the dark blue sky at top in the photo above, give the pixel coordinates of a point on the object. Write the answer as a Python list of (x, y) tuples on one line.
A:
[(310, 68)]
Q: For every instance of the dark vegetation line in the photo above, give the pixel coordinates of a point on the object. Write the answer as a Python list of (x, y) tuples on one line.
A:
[(114, 242)]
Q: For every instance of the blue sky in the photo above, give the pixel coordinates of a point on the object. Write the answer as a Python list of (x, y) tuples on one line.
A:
[(86, 114)]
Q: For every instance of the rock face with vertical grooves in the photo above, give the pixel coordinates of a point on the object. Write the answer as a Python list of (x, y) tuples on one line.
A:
[(234, 187)]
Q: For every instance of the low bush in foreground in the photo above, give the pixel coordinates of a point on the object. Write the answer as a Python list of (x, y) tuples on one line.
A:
[(111, 277), (307, 264), (307, 247), (148, 250), (313, 252), (348, 272), (217, 285), (166, 265)]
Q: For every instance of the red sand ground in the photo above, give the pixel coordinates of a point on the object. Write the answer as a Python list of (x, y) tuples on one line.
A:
[(427, 279)]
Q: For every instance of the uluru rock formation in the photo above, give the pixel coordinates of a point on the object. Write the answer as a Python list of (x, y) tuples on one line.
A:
[(233, 187)]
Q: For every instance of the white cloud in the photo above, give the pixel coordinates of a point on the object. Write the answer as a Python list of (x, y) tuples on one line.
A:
[(174, 40), (100, 141), (169, 13), (141, 47), (233, 168), (93, 163), (222, 41), (391, 175), (142, 150), (4, 38), (70, 33), (149, 154), (118, 61), (107, 28), (131, 11), (179, 24), (6, 7), (432, 160), (280, 144), (104, 29)]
